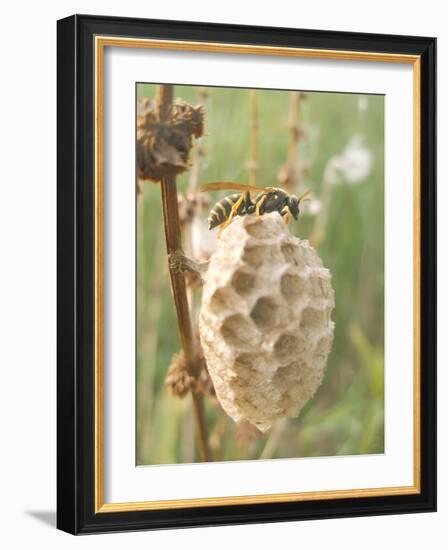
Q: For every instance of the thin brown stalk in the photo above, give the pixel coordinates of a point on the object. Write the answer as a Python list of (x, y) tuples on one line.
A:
[(320, 225), (293, 126), (252, 164), (195, 169), (174, 245), (193, 183), (293, 140), (199, 150), (274, 439), (217, 435)]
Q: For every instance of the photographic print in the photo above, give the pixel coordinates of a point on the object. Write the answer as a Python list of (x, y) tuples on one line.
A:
[(259, 274)]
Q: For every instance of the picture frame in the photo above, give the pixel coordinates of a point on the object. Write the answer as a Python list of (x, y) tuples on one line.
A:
[(82, 43)]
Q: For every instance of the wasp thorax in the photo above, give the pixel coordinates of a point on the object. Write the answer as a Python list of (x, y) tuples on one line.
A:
[(265, 320)]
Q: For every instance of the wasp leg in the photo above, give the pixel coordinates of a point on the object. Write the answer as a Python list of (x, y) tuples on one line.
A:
[(286, 213), (248, 203), (233, 212), (259, 205), (179, 263)]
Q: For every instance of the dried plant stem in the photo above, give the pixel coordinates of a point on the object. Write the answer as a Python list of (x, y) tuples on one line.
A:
[(293, 140), (320, 224), (173, 244), (199, 150), (252, 164), (293, 125), (273, 439), (187, 437), (193, 182), (217, 435), (195, 169)]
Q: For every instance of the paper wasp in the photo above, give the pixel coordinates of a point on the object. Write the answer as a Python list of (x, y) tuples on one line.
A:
[(268, 199)]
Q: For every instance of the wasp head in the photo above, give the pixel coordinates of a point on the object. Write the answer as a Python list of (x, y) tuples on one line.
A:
[(293, 205)]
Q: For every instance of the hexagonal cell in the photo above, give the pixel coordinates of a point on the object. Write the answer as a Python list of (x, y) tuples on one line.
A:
[(324, 344), (297, 382), (311, 378), (258, 229), (247, 398), (287, 374), (293, 285), (246, 360), (238, 331), (218, 300), (313, 318), (243, 282), (285, 346), (288, 252), (319, 287), (266, 312), (256, 255), (287, 380), (291, 255), (246, 370), (312, 257)]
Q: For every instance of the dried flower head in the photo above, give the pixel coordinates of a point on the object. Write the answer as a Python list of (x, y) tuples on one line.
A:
[(179, 381), (183, 114), (297, 132), (163, 147), (353, 165)]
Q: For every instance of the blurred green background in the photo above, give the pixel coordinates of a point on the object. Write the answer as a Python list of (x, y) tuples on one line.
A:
[(343, 147)]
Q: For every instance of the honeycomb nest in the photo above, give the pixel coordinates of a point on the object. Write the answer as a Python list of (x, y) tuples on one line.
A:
[(265, 323)]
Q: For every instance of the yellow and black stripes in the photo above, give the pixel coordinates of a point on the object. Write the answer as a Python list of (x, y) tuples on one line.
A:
[(270, 199), (222, 209)]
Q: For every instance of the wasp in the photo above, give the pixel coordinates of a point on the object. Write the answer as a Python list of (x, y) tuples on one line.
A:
[(267, 199)]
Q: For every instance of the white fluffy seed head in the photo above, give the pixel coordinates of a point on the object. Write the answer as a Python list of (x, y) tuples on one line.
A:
[(265, 322)]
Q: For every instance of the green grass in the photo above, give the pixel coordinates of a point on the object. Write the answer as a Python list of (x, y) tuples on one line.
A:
[(346, 415)]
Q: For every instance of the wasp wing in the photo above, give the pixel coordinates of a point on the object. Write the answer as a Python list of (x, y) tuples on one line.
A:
[(231, 185), (305, 196)]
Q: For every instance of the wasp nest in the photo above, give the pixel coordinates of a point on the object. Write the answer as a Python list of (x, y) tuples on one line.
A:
[(265, 322)]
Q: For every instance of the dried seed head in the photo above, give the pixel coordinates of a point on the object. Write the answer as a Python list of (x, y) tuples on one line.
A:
[(191, 204), (265, 322), (163, 148), (179, 381), (290, 175), (189, 117), (297, 132)]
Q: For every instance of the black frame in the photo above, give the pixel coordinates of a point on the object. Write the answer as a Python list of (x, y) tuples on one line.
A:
[(75, 310)]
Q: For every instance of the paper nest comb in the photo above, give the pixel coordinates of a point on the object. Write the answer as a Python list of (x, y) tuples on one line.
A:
[(265, 322)]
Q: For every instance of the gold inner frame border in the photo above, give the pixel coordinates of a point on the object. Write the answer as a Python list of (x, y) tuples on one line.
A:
[(101, 42)]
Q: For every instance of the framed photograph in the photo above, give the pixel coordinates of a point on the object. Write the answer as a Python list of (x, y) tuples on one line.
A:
[(246, 274)]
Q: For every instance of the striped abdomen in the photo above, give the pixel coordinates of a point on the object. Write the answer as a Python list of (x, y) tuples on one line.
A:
[(221, 211)]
